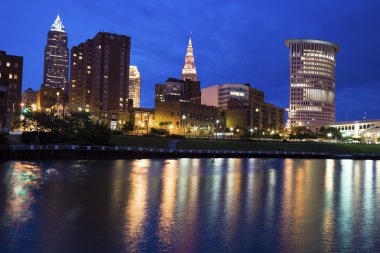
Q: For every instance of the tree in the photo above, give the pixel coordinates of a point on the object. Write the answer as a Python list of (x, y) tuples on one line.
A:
[(127, 127), (159, 131), (77, 127), (301, 133), (330, 132)]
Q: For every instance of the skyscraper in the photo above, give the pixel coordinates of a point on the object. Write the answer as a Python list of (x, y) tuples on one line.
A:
[(312, 82), (189, 70), (56, 61), (134, 86), (99, 76)]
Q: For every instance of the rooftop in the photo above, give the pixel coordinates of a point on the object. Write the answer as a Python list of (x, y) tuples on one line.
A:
[(312, 41)]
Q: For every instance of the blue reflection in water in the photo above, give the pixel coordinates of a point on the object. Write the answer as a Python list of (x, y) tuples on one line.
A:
[(190, 205)]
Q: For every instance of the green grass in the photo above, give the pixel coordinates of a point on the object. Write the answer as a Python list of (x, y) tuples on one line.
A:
[(139, 141), (335, 148)]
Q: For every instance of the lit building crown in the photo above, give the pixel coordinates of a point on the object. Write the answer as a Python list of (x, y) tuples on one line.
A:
[(57, 26), (189, 70)]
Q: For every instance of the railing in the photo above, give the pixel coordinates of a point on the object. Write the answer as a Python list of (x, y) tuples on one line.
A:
[(161, 150)]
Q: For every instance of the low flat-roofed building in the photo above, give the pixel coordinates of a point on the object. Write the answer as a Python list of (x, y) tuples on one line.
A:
[(184, 117), (142, 119)]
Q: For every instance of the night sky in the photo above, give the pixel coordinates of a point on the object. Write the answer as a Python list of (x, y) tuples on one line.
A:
[(234, 41)]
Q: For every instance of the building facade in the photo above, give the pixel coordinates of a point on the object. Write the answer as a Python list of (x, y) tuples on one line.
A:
[(48, 98), (186, 118), (244, 107), (219, 95), (142, 119), (29, 97), (11, 67), (134, 86), (312, 82), (254, 115), (56, 61), (189, 71), (99, 77), (178, 90)]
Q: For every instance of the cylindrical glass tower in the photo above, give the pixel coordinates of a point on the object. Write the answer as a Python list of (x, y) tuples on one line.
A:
[(312, 82)]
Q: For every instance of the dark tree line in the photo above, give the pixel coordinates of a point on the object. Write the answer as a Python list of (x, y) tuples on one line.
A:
[(75, 128)]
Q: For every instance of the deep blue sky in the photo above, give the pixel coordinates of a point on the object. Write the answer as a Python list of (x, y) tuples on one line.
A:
[(234, 41)]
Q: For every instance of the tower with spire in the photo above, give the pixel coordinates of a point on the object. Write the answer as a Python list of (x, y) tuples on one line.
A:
[(189, 70), (56, 62)]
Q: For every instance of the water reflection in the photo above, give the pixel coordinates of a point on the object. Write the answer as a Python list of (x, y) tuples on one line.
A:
[(136, 207), (168, 198), (191, 205), (22, 180)]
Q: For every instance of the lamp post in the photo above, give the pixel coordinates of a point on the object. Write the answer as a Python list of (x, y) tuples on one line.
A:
[(217, 127), (183, 124)]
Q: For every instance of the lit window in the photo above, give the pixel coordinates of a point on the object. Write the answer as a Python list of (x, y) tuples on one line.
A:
[(10, 76), (8, 64), (15, 77)]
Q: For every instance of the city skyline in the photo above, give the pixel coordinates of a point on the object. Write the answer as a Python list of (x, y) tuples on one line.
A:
[(260, 59)]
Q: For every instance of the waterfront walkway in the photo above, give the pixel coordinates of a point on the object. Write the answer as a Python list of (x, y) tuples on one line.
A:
[(110, 152)]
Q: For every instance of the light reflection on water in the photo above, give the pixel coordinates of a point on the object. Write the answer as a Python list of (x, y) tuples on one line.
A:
[(190, 205)]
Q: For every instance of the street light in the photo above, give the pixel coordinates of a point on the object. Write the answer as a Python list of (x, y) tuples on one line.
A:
[(216, 127), (184, 125)]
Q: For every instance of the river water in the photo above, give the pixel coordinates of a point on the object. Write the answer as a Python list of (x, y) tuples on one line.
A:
[(190, 205)]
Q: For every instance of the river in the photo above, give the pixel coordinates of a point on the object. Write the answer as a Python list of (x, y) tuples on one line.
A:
[(190, 205)]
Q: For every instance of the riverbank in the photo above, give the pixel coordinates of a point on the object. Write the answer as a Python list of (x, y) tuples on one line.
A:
[(63, 152), (137, 147), (245, 145)]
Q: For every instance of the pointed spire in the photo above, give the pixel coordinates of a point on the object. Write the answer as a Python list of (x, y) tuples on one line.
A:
[(190, 44), (57, 26), (189, 70)]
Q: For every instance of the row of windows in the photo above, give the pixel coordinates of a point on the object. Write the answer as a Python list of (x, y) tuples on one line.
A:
[(8, 64), (352, 127), (11, 76)]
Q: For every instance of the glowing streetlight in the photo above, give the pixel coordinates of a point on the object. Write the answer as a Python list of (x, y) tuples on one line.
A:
[(329, 135)]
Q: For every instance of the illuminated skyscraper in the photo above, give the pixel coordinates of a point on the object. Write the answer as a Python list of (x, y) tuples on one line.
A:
[(56, 63), (99, 73), (312, 82), (134, 86), (189, 70)]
